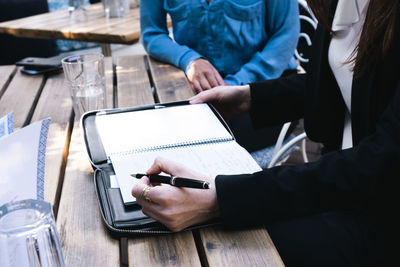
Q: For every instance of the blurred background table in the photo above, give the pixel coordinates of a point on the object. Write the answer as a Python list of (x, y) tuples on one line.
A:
[(69, 187), (93, 26)]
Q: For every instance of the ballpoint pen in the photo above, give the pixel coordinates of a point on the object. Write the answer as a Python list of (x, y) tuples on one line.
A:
[(175, 181), (139, 108)]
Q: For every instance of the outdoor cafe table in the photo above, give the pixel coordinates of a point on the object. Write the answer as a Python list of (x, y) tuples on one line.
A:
[(93, 27), (135, 80)]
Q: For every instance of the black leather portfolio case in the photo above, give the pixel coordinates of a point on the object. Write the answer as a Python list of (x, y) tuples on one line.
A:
[(120, 219)]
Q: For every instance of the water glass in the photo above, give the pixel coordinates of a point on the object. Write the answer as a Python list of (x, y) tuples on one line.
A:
[(74, 5), (28, 235), (116, 8), (84, 75)]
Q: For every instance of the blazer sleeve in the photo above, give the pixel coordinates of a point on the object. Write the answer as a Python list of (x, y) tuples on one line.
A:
[(362, 178), (155, 36), (277, 101)]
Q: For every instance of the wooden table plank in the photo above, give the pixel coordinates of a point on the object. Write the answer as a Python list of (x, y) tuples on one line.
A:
[(159, 250), (93, 27), (84, 238), (170, 82), (20, 98), (251, 247), (6, 75), (221, 248), (164, 250), (133, 83), (55, 102)]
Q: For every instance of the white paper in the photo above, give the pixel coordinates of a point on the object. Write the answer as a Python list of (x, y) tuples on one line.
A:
[(22, 159), (209, 159), (6, 125), (188, 134), (124, 132), (113, 181)]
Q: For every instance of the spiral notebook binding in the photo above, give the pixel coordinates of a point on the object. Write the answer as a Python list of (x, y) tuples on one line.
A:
[(172, 146)]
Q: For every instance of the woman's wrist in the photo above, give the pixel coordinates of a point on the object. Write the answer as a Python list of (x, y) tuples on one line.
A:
[(246, 97), (211, 207)]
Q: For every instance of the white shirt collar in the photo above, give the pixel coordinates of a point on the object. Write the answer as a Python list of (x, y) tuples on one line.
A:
[(348, 12)]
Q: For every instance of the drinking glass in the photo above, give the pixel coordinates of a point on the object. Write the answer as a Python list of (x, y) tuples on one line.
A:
[(116, 8), (84, 75), (28, 235), (75, 5)]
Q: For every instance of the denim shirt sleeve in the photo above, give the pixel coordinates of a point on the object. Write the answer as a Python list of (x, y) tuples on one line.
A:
[(155, 36), (283, 27)]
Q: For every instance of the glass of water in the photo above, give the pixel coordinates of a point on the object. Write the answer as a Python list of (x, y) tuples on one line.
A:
[(74, 5), (28, 235), (84, 75), (116, 8)]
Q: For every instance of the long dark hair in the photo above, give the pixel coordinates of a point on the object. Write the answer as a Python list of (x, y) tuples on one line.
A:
[(380, 32)]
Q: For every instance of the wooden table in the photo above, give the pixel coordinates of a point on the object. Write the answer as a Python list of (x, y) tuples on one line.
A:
[(135, 80), (93, 27)]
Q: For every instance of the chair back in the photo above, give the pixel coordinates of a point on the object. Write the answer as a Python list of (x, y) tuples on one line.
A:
[(308, 25)]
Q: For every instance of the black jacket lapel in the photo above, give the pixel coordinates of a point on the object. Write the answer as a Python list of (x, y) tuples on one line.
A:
[(323, 94)]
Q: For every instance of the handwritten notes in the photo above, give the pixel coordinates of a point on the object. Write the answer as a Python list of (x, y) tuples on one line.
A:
[(209, 159), (189, 134)]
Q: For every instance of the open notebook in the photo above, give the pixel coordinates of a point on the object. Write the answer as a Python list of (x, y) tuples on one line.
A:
[(190, 134)]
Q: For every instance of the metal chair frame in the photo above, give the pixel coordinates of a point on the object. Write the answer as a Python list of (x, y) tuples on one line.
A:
[(280, 150)]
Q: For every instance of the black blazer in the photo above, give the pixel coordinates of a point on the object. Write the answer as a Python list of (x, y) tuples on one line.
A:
[(362, 179)]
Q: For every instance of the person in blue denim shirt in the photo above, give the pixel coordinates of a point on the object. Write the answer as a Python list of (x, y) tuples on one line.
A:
[(226, 42), (218, 42)]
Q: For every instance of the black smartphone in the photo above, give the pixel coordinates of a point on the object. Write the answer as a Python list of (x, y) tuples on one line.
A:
[(37, 65), (38, 71)]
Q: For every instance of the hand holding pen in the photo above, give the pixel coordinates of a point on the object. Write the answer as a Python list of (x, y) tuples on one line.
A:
[(170, 205), (174, 180)]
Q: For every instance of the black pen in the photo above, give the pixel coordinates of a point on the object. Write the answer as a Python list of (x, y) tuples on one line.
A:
[(175, 181), (140, 108), (122, 110)]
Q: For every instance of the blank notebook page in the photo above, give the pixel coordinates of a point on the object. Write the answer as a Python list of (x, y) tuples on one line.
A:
[(162, 127)]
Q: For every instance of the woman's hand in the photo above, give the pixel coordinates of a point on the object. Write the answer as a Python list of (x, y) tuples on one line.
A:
[(203, 76), (229, 100), (177, 207)]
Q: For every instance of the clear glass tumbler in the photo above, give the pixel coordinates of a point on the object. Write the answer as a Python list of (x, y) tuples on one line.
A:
[(28, 235), (84, 75), (74, 5), (116, 8)]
